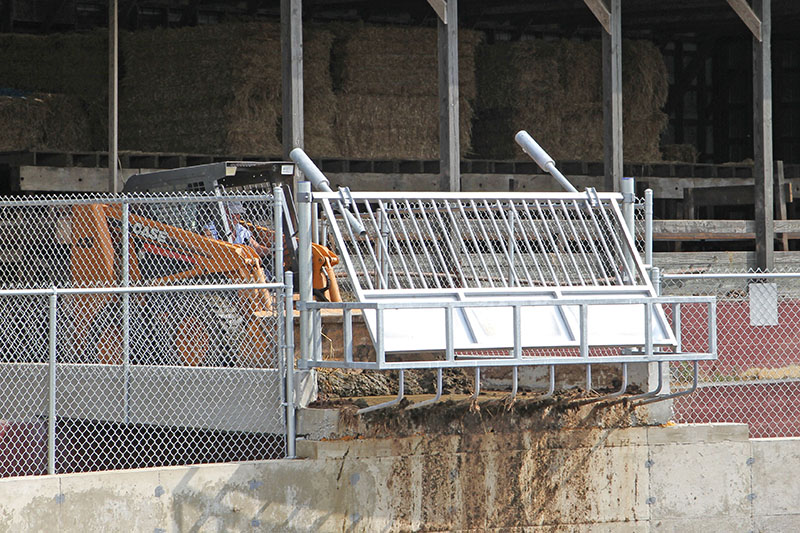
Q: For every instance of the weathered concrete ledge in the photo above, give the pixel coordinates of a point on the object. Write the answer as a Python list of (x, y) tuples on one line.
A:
[(639, 479)]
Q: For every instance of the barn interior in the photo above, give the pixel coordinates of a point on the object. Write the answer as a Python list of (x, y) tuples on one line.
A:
[(202, 81)]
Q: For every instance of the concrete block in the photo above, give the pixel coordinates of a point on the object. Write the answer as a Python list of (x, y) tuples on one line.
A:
[(697, 433), (699, 480), (777, 524), (99, 502), (28, 502), (316, 424), (776, 477), (728, 524)]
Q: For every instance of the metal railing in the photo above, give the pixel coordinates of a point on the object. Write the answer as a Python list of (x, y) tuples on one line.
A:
[(131, 337)]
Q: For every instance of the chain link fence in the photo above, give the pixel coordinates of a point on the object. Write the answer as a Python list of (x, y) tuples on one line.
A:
[(140, 331)]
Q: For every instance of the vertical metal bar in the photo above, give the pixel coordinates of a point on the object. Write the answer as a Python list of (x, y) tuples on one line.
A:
[(583, 315), (126, 312), (289, 358), (628, 197), (315, 223), (51, 375), (712, 327), (517, 322), (113, 95), (648, 228), (277, 215), (676, 326), (448, 333), (380, 354), (305, 284), (347, 334), (477, 390), (648, 329), (588, 378)]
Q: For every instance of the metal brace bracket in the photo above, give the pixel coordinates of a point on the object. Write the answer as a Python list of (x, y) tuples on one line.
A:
[(304, 197), (628, 197), (440, 6), (591, 193), (345, 196)]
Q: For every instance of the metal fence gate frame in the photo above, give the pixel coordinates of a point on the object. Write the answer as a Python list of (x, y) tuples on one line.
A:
[(177, 411)]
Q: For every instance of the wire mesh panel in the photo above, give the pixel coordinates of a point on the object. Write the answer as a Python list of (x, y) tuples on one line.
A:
[(166, 343), (461, 247), (756, 379)]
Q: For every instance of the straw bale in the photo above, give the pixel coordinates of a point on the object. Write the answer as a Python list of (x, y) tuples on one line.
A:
[(394, 127), (554, 90), (319, 100), (208, 89), (41, 121), (679, 152), (402, 61)]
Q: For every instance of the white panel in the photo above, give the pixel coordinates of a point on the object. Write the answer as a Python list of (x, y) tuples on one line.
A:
[(763, 304)]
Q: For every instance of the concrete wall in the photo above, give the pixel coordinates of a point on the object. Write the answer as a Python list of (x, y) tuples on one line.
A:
[(672, 479)]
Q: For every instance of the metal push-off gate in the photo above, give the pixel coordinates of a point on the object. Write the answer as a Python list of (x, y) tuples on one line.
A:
[(488, 280)]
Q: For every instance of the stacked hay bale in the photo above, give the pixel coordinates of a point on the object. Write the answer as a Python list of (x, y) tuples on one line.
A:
[(209, 89), (41, 121), (388, 102), (319, 100), (68, 74), (554, 90)]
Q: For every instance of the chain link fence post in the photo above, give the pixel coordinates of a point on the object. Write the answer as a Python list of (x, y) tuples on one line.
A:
[(51, 385)]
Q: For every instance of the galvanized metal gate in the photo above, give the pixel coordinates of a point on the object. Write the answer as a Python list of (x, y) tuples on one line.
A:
[(465, 273)]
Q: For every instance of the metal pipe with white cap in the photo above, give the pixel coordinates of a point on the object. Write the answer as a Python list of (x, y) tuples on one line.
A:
[(545, 162), (321, 183)]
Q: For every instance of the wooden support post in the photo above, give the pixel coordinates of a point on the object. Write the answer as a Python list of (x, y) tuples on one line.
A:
[(612, 99), (762, 138), (781, 198), (113, 96), (292, 75), (449, 142)]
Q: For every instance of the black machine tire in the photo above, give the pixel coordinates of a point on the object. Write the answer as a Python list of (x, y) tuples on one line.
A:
[(201, 329)]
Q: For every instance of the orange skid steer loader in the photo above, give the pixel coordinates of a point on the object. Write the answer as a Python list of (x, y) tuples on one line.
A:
[(197, 328)]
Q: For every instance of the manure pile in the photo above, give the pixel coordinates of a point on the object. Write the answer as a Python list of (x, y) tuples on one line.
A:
[(388, 83), (554, 90), (60, 102)]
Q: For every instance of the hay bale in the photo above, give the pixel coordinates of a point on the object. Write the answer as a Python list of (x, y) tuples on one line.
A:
[(319, 100), (68, 64), (393, 127), (209, 89), (396, 67), (686, 153), (554, 90), (402, 61), (40, 121)]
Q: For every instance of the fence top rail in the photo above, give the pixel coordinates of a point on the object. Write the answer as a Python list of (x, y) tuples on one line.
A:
[(399, 195), (417, 304), (132, 199), (139, 289), (732, 275)]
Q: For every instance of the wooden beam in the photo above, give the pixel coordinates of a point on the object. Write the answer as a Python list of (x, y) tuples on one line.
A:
[(748, 16), (440, 6), (449, 144), (113, 96), (762, 138), (601, 12), (612, 99), (720, 230), (292, 75)]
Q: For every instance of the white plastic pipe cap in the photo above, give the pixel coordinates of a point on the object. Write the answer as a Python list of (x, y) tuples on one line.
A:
[(533, 149)]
